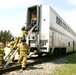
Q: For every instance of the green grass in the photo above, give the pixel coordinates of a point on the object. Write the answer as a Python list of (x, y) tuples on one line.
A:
[(71, 58), (69, 68)]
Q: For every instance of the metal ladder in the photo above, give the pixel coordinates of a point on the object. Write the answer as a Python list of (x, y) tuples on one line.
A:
[(8, 55), (10, 58), (15, 51)]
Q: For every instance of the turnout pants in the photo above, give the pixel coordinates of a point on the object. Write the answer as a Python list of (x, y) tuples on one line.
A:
[(22, 61), (1, 59)]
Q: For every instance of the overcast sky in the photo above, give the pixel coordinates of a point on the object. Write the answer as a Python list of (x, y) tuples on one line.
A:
[(13, 12)]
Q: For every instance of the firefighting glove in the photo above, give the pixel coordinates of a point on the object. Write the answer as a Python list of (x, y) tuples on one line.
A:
[(14, 48)]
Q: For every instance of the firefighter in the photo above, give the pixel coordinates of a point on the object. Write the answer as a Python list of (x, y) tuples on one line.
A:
[(2, 54), (24, 50), (34, 19), (33, 22), (22, 35), (11, 45)]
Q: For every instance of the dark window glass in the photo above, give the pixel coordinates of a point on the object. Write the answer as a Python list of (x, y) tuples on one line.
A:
[(68, 44), (64, 26), (58, 21)]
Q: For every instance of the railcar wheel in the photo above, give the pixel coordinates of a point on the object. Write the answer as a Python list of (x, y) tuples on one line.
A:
[(56, 52), (39, 54)]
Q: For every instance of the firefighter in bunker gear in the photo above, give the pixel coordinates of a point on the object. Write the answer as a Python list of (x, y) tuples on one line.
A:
[(24, 50), (22, 35), (2, 54)]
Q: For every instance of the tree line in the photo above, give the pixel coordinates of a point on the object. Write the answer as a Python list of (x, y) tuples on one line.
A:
[(5, 36)]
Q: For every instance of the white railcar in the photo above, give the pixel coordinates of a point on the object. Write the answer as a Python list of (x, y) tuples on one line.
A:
[(55, 34)]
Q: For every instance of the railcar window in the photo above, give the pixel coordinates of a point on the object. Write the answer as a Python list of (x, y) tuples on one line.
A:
[(58, 21), (68, 44), (64, 26)]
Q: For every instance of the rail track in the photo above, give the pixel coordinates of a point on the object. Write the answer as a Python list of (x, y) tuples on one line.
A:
[(32, 61)]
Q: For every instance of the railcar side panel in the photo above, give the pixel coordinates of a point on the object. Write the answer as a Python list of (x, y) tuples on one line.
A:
[(51, 31), (64, 37), (44, 27)]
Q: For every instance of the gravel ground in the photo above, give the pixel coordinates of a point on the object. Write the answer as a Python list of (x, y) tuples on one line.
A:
[(44, 68)]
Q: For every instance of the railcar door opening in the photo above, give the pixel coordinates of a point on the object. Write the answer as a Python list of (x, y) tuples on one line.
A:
[(33, 14), (73, 45)]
